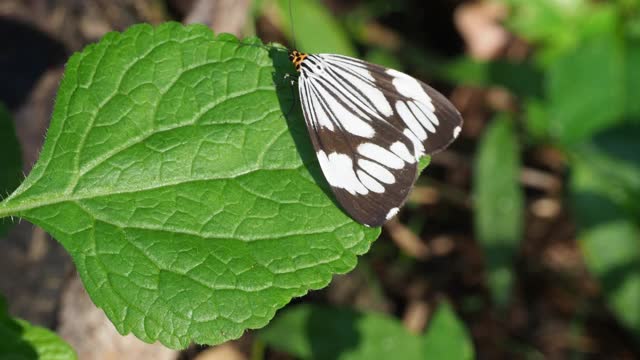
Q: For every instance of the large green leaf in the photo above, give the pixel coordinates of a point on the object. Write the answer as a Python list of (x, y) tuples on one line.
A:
[(190, 205), (315, 332), (499, 205), (605, 185), (21, 340), (10, 161), (447, 337)]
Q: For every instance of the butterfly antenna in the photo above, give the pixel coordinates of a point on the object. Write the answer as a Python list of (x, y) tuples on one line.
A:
[(293, 30)]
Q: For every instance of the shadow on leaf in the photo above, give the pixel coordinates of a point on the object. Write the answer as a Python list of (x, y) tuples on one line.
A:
[(332, 332), (285, 80)]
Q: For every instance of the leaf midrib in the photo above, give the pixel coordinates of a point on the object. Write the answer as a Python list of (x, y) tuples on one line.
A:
[(7, 208)]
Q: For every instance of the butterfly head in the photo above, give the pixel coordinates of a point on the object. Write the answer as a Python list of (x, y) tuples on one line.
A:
[(297, 58)]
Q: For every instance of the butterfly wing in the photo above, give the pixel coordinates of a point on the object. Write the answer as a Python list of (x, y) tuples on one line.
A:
[(370, 126)]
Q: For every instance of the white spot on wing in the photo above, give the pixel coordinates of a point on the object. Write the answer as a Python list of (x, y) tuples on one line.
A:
[(366, 87), (346, 61), (433, 118), (427, 107), (338, 170), (377, 171), (430, 111), (402, 151), (408, 86), (410, 120), (319, 113), (350, 122), (424, 120), (418, 148), (378, 99), (393, 212), (456, 131), (381, 155), (370, 182)]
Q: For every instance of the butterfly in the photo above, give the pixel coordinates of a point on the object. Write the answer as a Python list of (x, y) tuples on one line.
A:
[(370, 126)]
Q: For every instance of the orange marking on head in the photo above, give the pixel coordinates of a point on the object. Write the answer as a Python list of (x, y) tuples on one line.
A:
[(297, 58)]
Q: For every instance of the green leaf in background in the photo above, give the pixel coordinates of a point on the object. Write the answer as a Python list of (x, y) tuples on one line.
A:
[(316, 30), (21, 340), (447, 337), (632, 77), (190, 205), (592, 66), (586, 90), (559, 25), (537, 119), (523, 79), (314, 332), (384, 58), (10, 161), (605, 187), (498, 204), (543, 20)]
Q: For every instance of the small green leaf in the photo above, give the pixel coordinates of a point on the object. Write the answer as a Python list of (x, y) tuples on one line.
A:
[(605, 189), (316, 30), (10, 161), (499, 205), (424, 163), (447, 337), (314, 332), (21, 340), (190, 204)]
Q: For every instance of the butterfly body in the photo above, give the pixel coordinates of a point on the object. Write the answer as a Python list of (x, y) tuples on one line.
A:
[(370, 126)]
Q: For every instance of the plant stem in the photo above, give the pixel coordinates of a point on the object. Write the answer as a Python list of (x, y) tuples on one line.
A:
[(7, 211), (3, 211), (258, 349)]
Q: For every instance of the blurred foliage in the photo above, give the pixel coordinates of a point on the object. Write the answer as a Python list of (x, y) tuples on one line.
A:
[(605, 190), (10, 161), (499, 205), (23, 341), (315, 332), (447, 337), (589, 53)]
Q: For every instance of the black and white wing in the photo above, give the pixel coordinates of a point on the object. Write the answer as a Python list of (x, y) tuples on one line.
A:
[(370, 126)]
